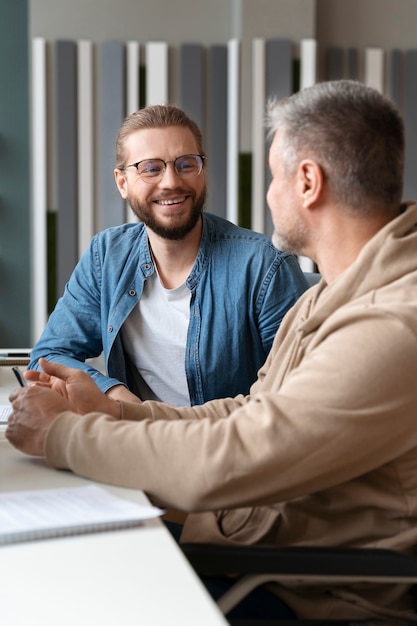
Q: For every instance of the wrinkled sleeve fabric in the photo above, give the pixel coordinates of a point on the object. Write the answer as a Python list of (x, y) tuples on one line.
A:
[(332, 419)]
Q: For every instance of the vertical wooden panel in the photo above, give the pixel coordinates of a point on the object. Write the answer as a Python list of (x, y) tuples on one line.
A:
[(192, 83), (410, 119), (374, 68), (278, 84), (352, 64), (113, 101), (397, 77), (86, 136), (233, 130), (308, 61), (39, 189), (258, 135), (334, 63), (132, 76), (67, 155), (217, 130), (157, 73), (132, 96)]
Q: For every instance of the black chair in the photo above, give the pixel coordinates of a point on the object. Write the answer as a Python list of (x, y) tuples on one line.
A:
[(257, 565)]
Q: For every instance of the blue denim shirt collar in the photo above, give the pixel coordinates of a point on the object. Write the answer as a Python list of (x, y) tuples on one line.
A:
[(204, 254), (146, 262)]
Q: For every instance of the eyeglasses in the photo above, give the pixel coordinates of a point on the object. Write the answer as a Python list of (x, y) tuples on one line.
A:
[(153, 170)]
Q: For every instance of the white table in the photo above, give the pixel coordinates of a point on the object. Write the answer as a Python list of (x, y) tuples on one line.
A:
[(135, 577)]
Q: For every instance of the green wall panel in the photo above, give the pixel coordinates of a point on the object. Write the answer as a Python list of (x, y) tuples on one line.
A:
[(14, 176)]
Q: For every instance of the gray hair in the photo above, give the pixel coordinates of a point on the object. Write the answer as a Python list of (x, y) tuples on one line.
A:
[(156, 116), (353, 132)]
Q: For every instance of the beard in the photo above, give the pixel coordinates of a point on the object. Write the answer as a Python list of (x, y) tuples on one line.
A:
[(283, 243), (293, 241), (178, 227)]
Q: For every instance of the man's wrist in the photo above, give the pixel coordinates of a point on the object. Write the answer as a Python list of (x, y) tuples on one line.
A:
[(119, 409)]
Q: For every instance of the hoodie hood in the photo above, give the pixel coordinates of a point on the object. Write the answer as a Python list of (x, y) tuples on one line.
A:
[(390, 256)]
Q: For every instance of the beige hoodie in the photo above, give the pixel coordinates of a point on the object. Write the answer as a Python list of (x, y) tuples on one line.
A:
[(322, 452)]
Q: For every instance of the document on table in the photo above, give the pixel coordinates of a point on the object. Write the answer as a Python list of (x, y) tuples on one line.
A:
[(5, 410), (48, 513)]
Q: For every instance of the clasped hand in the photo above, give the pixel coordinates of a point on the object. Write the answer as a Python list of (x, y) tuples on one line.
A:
[(53, 390)]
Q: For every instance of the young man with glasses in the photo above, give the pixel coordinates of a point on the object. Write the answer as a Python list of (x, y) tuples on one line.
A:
[(184, 304)]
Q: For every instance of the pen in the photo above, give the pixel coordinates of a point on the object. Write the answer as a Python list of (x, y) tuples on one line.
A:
[(19, 376)]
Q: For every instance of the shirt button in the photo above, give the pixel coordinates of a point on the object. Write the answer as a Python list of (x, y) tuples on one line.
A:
[(110, 329), (147, 266), (132, 292)]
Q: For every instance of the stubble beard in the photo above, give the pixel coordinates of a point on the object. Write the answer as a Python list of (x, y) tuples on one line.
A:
[(293, 242), (282, 243), (176, 230)]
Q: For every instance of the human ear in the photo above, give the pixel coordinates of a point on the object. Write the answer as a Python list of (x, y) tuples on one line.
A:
[(121, 182), (311, 181)]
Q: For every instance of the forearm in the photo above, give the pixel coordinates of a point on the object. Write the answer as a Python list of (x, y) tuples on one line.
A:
[(215, 409), (122, 393)]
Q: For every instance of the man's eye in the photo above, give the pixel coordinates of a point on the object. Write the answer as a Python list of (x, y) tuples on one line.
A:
[(187, 165), (151, 168)]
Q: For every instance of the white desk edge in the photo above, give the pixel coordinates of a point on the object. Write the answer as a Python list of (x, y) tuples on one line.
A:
[(132, 577)]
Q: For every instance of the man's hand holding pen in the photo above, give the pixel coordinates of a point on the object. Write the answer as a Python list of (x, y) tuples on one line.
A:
[(54, 390)]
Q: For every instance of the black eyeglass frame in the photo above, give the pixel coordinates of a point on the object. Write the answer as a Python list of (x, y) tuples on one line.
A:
[(182, 156)]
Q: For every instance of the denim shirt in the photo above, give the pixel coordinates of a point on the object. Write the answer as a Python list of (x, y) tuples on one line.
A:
[(241, 287)]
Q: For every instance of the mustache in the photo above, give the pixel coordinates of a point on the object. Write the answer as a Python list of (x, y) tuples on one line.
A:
[(168, 194)]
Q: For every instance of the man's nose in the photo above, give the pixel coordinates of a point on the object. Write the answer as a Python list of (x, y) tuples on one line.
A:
[(170, 176)]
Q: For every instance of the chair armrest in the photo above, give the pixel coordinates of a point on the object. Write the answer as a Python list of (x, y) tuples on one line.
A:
[(372, 564)]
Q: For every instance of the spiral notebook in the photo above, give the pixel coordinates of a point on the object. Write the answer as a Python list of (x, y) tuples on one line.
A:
[(48, 513), (5, 410)]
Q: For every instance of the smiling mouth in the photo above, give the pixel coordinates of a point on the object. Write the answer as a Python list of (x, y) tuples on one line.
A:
[(171, 202)]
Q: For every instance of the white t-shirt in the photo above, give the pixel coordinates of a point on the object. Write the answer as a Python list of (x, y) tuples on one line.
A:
[(154, 336)]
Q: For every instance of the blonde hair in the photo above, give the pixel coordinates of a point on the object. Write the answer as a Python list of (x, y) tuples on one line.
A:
[(156, 116)]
